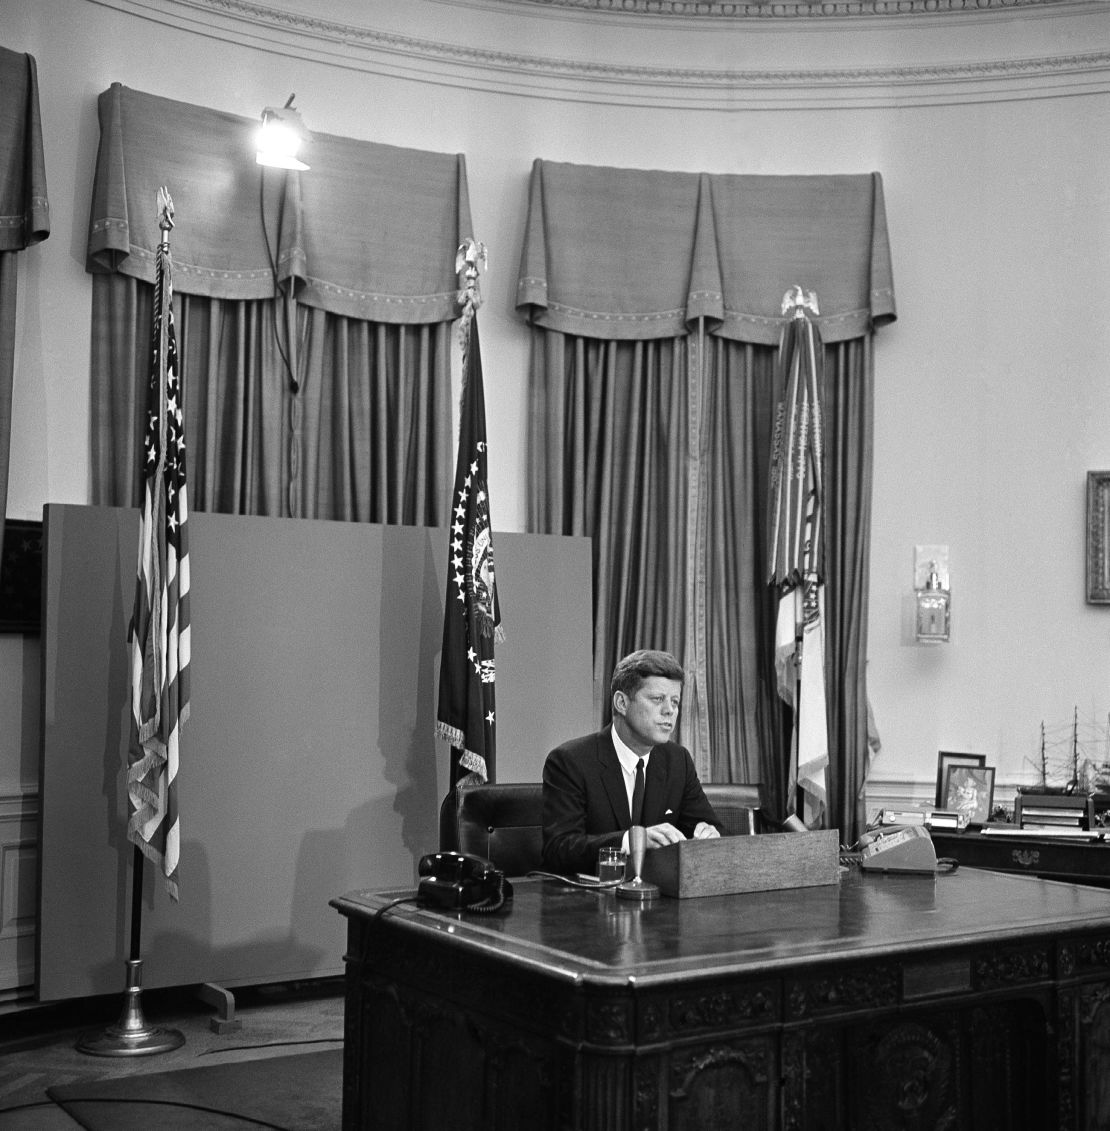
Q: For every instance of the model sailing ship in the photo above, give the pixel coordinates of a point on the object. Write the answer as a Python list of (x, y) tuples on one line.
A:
[(1074, 772), (1074, 758)]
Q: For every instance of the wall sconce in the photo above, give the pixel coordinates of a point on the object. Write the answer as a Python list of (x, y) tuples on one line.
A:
[(281, 136), (933, 613)]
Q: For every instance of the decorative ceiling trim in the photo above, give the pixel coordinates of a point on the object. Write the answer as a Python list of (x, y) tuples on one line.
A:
[(779, 9), (263, 27)]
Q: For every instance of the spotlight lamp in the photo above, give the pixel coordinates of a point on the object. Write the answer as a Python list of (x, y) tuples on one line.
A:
[(281, 136)]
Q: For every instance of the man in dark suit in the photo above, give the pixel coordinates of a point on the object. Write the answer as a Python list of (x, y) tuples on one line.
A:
[(597, 787)]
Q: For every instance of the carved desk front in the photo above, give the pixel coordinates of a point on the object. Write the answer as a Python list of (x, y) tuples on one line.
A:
[(883, 1001)]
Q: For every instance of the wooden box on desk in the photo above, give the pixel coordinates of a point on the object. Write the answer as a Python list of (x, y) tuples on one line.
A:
[(732, 864)]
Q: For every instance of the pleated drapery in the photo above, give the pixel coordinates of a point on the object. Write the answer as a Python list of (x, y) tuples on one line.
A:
[(633, 254), (24, 218), (313, 314), (655, 300), (365, 439), (610, 459)]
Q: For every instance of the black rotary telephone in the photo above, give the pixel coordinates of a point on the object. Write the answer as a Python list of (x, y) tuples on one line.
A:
[(461, 882)]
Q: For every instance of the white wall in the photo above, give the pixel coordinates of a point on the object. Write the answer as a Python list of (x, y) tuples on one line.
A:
[(992, 391)]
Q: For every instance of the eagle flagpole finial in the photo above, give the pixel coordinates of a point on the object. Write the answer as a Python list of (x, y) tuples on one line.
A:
[(165, 215), (165, 209), (469, 256), (799, 301)]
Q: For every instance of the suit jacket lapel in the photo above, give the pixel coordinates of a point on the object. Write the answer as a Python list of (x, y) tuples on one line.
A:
[(612, 778)]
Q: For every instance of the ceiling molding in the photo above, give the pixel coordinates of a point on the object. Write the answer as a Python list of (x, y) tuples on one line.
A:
[(780, 9), (264, 27)]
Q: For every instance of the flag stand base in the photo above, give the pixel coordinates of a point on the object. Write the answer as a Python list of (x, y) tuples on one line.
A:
[(131, 1036)]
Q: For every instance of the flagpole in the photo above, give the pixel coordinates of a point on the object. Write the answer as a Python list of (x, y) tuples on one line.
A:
[(130, 1035), (466, 716)]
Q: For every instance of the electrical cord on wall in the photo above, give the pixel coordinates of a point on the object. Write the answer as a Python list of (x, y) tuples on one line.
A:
[(284, 353), (294, 384)]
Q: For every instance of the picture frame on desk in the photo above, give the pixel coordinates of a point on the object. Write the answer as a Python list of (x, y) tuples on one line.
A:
[(1098, 537), (970, 791), (948, 758)]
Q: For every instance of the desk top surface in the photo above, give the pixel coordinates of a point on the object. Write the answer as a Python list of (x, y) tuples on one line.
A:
[(592, 935)]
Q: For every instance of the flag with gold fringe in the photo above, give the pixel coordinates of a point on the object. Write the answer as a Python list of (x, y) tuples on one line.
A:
[(159, 633), (797, 566), (467, 717)]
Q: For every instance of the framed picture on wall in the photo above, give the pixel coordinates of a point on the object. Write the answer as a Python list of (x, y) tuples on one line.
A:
[(969, 790), (21, 577), (948, 758), (1098, 537)]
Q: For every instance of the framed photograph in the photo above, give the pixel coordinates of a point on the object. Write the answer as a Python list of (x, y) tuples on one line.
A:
[(1098, 537), (969, 790), (947, 758), (21, 577)]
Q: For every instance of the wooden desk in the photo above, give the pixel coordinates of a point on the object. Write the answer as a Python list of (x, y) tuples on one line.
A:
[(1053, 858), (884, 1001)]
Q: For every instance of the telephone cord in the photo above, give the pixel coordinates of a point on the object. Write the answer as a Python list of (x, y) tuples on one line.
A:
[(591, 885)]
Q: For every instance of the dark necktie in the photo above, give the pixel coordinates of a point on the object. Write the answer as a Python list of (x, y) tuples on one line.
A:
[(638, 794)]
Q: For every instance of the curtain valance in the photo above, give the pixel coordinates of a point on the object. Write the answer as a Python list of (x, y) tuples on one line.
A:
[(24, 210), (635, 254), (369, 232)]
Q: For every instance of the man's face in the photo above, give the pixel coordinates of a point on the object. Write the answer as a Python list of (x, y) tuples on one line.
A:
[(650, 715)]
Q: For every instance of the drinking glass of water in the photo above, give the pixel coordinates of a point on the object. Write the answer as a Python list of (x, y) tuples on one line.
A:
[(610, 865)]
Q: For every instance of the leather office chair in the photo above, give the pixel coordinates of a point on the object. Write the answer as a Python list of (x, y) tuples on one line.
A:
[(502, 822), (737, 806)]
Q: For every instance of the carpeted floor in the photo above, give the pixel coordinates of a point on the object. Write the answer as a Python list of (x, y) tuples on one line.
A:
[(290, 1093), (38, 1052)]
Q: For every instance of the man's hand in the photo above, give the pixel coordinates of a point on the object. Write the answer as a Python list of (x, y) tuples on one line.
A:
[(705, 831), (659, 836)]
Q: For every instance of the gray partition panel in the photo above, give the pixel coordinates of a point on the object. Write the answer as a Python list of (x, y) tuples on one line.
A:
[(309, 765)]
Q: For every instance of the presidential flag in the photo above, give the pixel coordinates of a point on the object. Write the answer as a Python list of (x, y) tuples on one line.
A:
[(159, 631), (797, 552), (472, 615)]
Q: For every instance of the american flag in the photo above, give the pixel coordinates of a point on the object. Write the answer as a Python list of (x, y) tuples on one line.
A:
[(472, 616), (159, 631)]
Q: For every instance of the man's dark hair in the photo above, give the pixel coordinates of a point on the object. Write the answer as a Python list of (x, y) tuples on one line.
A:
[(637, 667)]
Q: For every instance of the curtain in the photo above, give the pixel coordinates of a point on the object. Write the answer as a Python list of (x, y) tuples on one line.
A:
[(8, 280), (610, 446), (746, 727), (655, 301), (366, 438), (24, 219), (849, 439), (313, 314)]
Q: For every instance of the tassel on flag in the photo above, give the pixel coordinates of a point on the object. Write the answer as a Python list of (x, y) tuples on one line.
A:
[(159, 633), (467, 716)]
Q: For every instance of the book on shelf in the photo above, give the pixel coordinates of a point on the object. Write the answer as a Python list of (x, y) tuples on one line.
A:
[(1042, 810), (1054, 800), (1033, 815)]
